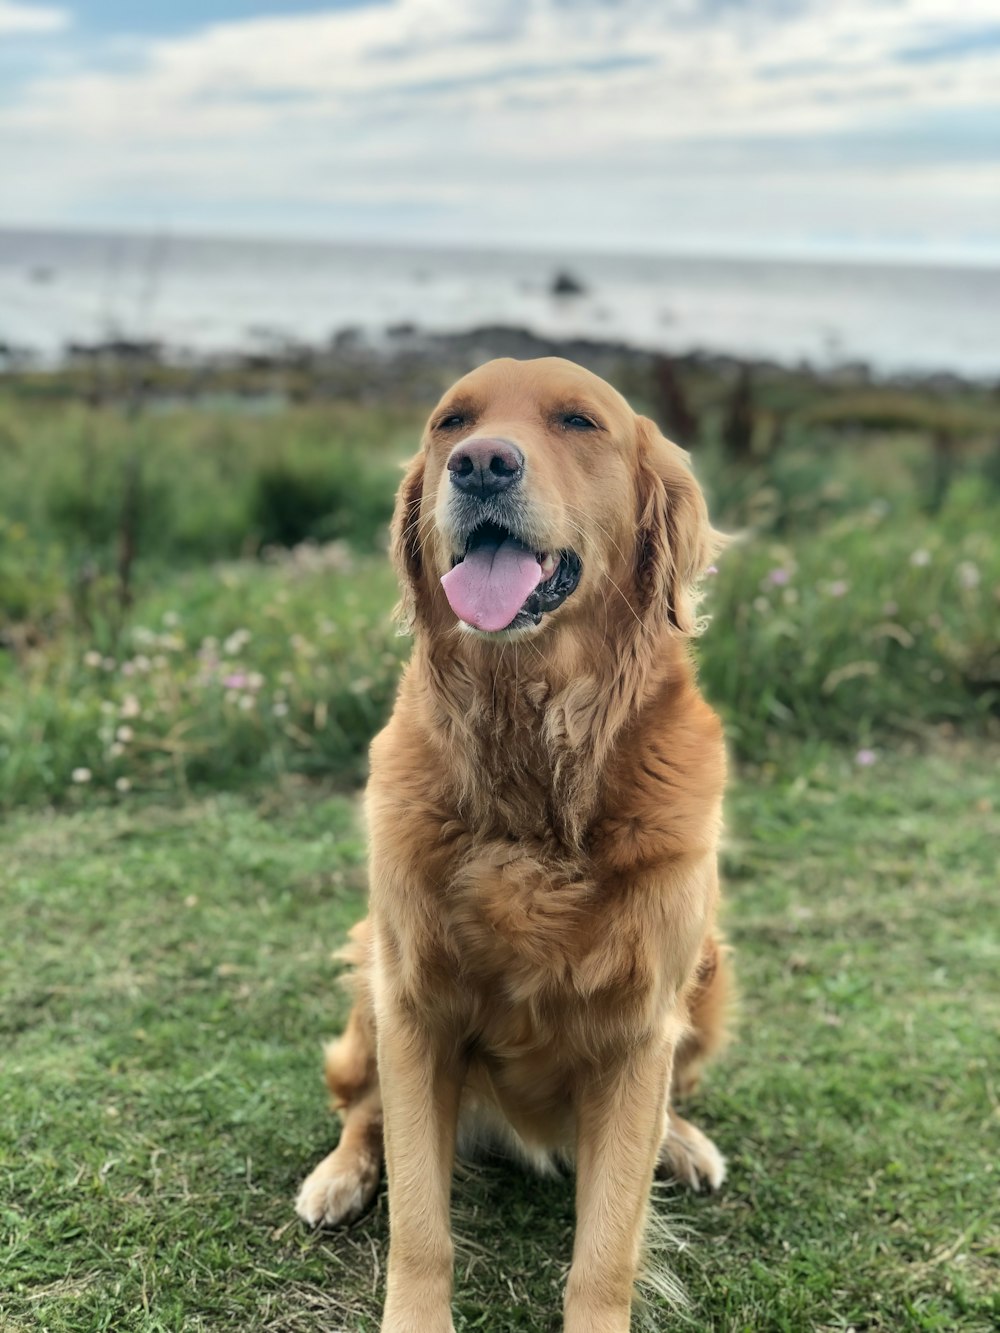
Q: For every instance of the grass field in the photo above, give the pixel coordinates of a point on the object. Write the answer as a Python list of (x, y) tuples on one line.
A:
[(166, 980)]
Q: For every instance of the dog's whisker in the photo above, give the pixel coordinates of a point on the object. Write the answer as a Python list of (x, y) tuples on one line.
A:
[(638, 619), (422, 539), (598, 526)]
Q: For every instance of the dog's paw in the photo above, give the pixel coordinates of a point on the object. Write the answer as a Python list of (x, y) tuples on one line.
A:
[(340, 1189), (690, 1157), (416, 1323)]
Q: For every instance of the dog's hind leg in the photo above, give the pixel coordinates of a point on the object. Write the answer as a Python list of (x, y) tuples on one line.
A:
[(709, 1005), (344, 1184), (686, 1154)]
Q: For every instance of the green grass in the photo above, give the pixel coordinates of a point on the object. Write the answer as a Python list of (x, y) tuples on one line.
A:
[(207, 484), (166, 980)]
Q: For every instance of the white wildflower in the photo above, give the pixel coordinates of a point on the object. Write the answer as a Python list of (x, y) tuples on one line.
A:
[(237, 641)]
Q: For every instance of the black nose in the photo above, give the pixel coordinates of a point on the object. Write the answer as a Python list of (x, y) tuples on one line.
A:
[(484, 467)]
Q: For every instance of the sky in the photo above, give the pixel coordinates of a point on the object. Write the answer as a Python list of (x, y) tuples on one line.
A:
[(858, 128)]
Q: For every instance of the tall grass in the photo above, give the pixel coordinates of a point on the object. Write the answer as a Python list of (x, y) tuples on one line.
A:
[(874, 627), (213, 484), (853, 610)]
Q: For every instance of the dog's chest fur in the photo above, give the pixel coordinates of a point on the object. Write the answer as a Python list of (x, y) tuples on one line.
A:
[(525, 880), (528, 937)]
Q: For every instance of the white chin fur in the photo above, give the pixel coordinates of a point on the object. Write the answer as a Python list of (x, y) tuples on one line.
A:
[(507, 634)]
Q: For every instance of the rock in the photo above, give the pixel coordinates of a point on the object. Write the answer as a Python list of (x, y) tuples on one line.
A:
[(564, 284)]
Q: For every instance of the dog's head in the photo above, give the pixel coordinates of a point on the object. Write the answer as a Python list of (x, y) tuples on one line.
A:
[(538, 495)]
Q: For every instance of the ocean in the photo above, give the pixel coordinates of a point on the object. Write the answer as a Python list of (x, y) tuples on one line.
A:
[(199, 296)]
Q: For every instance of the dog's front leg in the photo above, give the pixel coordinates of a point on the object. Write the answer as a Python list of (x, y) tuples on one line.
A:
[(620, 1110), (421, 1086)]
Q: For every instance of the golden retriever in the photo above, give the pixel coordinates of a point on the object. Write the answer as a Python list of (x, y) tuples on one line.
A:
[(540, 964)]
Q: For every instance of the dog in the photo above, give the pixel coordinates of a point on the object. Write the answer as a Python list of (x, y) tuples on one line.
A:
[(541, 964)]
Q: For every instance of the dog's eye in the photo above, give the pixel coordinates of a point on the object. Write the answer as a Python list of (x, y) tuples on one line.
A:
[(577, 421), (451, 422)]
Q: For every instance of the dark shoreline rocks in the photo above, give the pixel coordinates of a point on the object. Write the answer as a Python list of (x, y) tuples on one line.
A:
[(408, 364), (564, 284)]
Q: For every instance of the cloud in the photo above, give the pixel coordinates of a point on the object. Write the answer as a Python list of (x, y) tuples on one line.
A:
[(18, 20), (597, 122), (954, 46), (667, 70)]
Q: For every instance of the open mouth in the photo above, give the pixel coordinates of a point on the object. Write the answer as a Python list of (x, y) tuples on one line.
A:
[(499, 583)]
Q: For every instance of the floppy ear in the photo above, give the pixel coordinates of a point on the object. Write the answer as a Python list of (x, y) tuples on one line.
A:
[(406, 542), (676, 539)]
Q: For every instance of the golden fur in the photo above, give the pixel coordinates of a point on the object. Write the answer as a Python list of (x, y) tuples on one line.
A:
[(541, 961)]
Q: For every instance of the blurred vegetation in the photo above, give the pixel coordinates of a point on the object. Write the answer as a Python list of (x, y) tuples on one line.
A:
[(213, 484), (195, 594)]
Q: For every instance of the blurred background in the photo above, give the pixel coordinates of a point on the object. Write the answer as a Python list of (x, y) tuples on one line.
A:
[(243, 249)]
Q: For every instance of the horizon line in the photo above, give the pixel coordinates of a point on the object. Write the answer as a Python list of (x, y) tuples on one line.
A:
[(884, 253)]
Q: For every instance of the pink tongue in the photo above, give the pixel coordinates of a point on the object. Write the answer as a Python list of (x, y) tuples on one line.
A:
[(489, 587)]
